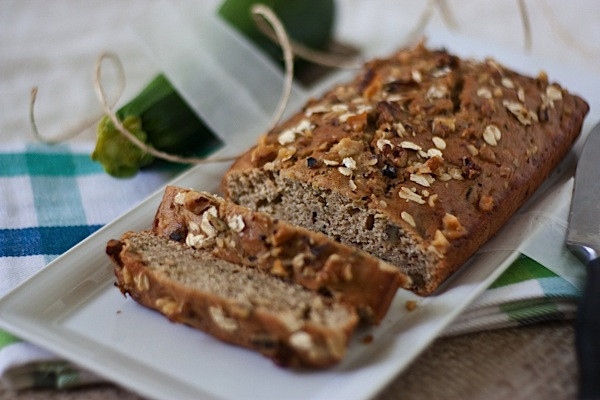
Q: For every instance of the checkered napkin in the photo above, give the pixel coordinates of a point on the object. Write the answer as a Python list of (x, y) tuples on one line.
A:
[(52, 197)]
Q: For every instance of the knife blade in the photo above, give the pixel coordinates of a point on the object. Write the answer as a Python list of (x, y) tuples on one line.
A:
[(583, 240)]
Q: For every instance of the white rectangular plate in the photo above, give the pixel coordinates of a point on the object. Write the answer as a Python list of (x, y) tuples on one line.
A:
[(72, 308)]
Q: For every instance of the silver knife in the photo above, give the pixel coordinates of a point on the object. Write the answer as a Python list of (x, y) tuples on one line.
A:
[(583, 240)]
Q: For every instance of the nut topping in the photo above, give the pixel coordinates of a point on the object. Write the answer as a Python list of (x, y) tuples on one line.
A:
[(408, 218), (408, 195), (236, 223), (491, 135), (452, 227)]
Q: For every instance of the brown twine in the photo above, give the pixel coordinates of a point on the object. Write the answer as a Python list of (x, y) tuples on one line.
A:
[(270, 25), (260, 10), (317, 57), (82, 125), (526, 26), (257, 11), (447, 15)]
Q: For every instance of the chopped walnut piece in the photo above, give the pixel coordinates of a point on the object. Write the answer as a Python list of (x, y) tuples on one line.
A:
[(221, 320), (553, 93), (301, 341), (452, 227), (416, 76), (410, 305), (373, 87), (486, 203), (286, 137), (349, 163), (196, 202), (400, 129), (263, 154), (197, 241), (431, 200), (236, 223), (381, 143), (179, 198), (357, 122), (141, 281), (437, 92), (193, 227), (167, 305), (285, 153), (443, 126), (348, 147), (434, 163), (278, 269), (126, 273), (440, 242), (298, 261)]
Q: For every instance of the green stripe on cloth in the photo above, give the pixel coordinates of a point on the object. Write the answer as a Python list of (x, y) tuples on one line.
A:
[(53, 191), (57, 201), (35, 162), (6, 339), (532, 311), (522, 269)]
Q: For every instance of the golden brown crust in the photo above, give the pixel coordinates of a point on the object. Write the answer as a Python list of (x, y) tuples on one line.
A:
[(256, 327), (447, 149), (254, 239)]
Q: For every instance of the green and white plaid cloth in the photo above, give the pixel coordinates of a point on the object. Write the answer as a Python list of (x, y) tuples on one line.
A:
[(52, 197)]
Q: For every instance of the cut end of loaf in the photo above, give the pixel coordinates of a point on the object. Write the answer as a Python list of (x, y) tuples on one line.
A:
[(352, 222), (244, 306)]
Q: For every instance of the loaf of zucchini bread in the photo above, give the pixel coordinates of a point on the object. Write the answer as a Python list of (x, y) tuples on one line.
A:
[(419, 160)]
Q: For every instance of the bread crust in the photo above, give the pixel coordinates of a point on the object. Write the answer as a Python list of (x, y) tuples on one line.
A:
[(308, 344), (256, 240), (471, 141)]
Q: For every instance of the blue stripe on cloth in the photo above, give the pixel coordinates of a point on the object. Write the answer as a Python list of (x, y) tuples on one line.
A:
[(42, 240), (558, 287)]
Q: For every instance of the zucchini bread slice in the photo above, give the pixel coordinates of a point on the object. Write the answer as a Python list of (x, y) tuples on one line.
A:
[(244, 306), (239, 235)]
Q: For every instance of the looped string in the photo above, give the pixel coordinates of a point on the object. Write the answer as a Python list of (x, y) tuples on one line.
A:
[(526, 26), (268, 23), (301, 51), (259, 10), (84, 124), (108, 110)]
